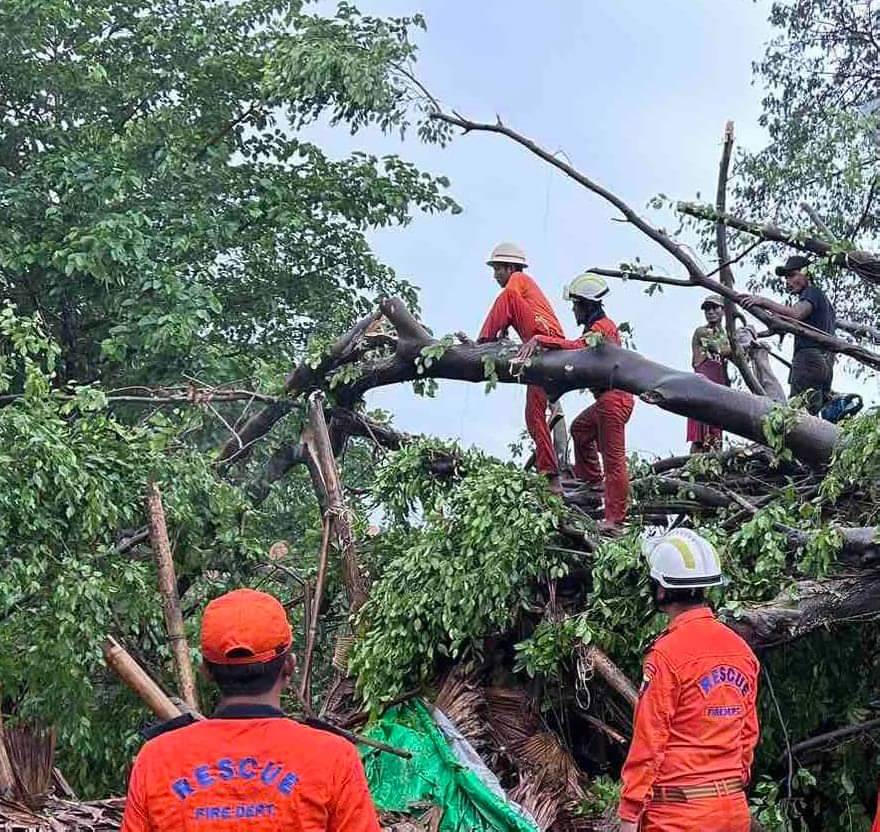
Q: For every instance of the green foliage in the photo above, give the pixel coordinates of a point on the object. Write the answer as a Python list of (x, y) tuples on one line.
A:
[(165, 218), (551, 644), (776, 426), (490, 372), (433, 352), (856, 461), (454, 574), (161, 208)]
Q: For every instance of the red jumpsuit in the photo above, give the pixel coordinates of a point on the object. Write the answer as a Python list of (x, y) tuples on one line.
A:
[(524, 306), (601, 429), (695, 730), (876, 826)]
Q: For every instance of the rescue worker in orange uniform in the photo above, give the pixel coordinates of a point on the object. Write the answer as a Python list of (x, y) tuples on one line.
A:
[(601, 428), (248, 767), (523, 306), (696, 724)]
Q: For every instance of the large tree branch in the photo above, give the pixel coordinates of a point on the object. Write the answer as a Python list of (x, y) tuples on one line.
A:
[(726, 273), (686, 394), (643, 225), (695, 272), (864, 263), (810, 605)]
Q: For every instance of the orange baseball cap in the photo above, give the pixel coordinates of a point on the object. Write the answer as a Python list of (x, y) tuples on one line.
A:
[(245, 627)]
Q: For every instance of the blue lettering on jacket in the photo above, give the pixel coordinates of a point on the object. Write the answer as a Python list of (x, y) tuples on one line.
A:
[(205, 775), (724, 675)]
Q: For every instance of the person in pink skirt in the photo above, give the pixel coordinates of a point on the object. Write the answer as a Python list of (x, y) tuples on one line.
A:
[(710, 351)]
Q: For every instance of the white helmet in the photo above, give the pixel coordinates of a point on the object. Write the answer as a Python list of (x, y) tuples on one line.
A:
[(586, 286), (507, 253), (683, 559)]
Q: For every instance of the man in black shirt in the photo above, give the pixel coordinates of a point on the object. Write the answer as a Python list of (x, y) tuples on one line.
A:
[(812, 367)]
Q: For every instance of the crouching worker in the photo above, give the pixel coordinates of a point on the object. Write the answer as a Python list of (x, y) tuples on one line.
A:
[(248, 767), (696, 725), (601, 428)]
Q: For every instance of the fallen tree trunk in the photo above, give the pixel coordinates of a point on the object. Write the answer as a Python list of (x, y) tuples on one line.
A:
[(686, 394), (810, 605)]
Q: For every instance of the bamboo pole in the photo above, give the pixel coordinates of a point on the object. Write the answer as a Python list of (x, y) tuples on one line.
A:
[(305, 689), (317, 438), (120, 661), (135, 677), (170, 598)]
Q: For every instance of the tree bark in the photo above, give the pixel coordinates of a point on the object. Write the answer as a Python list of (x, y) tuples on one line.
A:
[(726, 273), (170, 598), (686, 394), (810, 605)]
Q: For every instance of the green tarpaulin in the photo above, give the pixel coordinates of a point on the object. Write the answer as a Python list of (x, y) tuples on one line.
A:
[(436, 774)]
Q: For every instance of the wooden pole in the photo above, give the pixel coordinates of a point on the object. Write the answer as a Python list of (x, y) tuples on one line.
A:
[(120, 661), (305, 689), (170, 599), (317, 438), (610, 672), (135, 677)]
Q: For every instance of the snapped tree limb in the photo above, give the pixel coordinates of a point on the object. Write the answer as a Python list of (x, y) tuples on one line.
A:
[(558, 372), (697, 276), (864, 263), (809, 605), (726, 273)]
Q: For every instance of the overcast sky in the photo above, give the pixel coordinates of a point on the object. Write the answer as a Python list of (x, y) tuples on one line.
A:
[(636, 94)]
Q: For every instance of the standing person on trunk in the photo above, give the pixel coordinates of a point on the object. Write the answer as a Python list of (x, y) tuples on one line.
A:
[(600, 430), (248, 767), (812, 366), (523, 306), (696, 723), (709, 353)]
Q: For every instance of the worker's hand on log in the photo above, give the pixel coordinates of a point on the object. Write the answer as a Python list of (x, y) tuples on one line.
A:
[(751, 301), (526, 351), (464, 338)]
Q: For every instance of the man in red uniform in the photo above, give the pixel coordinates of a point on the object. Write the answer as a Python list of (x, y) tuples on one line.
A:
[(523, 306), (601, 428), (696, 725), (248, 767)]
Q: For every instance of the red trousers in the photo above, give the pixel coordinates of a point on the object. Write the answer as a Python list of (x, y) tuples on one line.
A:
[(536, 424), (714, 814), (601, 429)]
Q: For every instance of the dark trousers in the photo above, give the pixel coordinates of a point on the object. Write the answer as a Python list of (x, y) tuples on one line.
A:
[(812, 370)]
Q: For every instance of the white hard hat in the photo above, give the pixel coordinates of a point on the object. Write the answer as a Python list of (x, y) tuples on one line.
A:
[(683, 559), (587, 286), (507, 253)]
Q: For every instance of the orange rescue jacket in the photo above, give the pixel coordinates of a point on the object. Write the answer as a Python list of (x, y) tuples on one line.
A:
[(608, 330), (522, 305), (261, 774), (696, 720)]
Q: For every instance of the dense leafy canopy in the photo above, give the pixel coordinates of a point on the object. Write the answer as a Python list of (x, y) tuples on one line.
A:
[(165, 220)]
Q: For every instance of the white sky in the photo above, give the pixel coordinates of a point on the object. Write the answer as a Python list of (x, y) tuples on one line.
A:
[(636, 93)]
